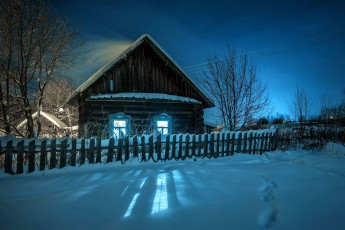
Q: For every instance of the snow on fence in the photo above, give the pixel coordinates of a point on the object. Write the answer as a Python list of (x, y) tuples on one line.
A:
[(27, 155)]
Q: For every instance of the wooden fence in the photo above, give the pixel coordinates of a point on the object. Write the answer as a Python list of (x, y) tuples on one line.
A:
[(18, 156)]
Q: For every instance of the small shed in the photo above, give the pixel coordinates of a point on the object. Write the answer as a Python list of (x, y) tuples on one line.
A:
[(140, 91)]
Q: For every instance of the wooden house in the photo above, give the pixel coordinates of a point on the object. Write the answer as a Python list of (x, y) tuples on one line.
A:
[(140, 91)]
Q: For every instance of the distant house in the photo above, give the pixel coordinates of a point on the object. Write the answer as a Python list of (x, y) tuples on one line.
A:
[(140, 91), (51, 126)]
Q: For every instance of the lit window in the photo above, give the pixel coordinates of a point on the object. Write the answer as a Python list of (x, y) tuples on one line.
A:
[(163, 124), (163, 127), (120, 128), (119, 125)]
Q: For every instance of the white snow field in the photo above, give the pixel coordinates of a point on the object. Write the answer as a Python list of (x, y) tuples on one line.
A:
[(277, 190)]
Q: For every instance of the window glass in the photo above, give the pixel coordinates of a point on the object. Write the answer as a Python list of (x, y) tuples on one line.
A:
[(163, 127), (119, 128)]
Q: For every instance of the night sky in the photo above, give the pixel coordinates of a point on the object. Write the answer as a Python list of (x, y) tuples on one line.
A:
[(293, 42)]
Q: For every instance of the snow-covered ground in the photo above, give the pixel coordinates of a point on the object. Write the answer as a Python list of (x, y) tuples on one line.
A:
[(278, 190)]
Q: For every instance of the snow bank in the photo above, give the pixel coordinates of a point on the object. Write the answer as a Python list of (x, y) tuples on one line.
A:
[(334, 149)]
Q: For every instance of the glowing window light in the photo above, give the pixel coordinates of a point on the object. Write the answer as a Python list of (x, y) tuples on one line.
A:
[(163, 127), (119, 128), (160, 202), (131, 205)]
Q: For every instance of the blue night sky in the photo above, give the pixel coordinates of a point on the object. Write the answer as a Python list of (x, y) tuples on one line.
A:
[(293, 42)]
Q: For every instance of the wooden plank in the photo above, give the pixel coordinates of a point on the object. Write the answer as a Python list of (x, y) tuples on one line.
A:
[(20, 158), (180, 148), (167, 147), (119, 150), (254, 143), (135, 146), (150, 147), (218, 145), (173, 148), (261, 140), (228, 141), (186, 151), (110, 155), (32, 154), (239, 143), (205, 145), (82, 152), (159, 147), (199, 145), (8, 158), (52, 154), (63, 153), (223, 144), (250, 141), (74, 152), (126, 148), (211, 154), (91, 155), (43, 155), (245, 143), (233, 144), (194, 145), (99, 150), (143, 154), (266, 142)]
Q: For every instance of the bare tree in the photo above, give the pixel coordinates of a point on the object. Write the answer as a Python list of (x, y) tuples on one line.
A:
[(233, 83), (326, 107), (36, 45), (301, 104)]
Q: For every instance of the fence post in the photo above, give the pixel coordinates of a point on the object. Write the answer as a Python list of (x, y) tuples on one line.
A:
[(31, 166), (110, 155), (43, 155), (186, 151), (167, 143), (135, 146), (233, 144), (244, 143), (239, 143), (217, 146), (254, 143), (91, 155), (227, 144), (250, 143), (261, 143), (199, 145), (20, 158), (119, 150), (52, 154), (223, 144), (150, 147), (74, 152), (63, 153), (8, 158), (180, 148), (82, 152), (266, 142), (211, 154), (173, 147), (126, 149), (205, 145), (143, 154), (99, 150), (193, 145), (159, 147)]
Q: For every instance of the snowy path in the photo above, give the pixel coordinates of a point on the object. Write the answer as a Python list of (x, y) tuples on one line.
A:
[(280, 191)]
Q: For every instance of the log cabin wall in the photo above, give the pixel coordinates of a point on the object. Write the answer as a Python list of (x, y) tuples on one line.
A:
[(94, 116)]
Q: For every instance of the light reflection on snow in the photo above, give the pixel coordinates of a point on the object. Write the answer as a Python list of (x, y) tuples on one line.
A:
[(124, 191), (142, 183), (178, 184), (131, 205), (160, 202)]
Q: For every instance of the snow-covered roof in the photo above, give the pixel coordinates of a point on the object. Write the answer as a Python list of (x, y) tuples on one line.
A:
[(53, 119), (124, 54), (145, 96)]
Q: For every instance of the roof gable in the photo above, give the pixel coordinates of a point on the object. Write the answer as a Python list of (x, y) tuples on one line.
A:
[(163, 55)]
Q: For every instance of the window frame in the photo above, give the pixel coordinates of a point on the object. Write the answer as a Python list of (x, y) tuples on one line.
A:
[(163, 117), (119, 117)]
